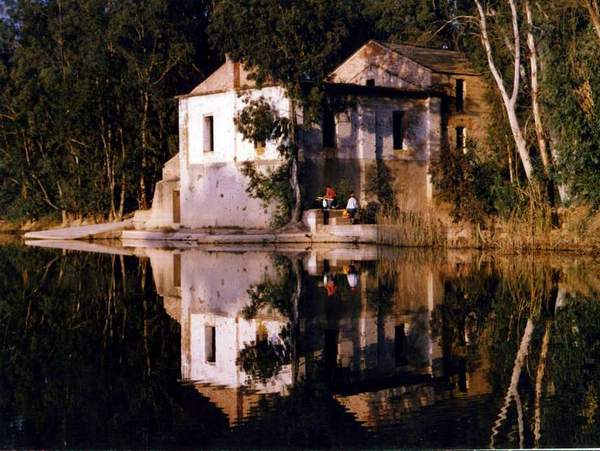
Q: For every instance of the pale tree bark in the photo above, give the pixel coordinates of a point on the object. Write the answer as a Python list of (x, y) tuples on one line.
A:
[(511, 392), (510, 102), (594, 12), (547, 162), (539, 378), (535, 91)]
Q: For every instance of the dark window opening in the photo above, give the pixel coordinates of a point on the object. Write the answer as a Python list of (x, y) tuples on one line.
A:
[(460, 95), (176, 207), (330, 349), (398, 130), (460, 138), (209, 136), (210, 344), (371, 82), (177, 270), (329, 137), (400, 345)]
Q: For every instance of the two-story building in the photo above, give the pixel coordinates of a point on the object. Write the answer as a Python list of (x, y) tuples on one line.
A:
[(406, 102)]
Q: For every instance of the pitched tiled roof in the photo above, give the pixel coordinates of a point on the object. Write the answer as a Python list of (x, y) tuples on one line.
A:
[(231, 75), (438, 60)]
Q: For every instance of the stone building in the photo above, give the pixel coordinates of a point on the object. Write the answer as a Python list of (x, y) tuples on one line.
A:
[(406, 102)]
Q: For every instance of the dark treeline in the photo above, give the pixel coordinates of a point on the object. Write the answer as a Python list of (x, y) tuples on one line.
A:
[(87, 115), (89, 358)]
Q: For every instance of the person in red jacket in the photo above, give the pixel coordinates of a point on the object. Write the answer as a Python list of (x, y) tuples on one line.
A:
[(329, 196)]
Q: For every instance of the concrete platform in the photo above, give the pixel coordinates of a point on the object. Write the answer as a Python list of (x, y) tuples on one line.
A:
[(238, 238), (352, 234), (112, 247), (108, 230)]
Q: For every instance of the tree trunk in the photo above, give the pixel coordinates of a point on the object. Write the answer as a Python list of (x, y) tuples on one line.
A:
[(547, 163), (61, 200), (122, 198), (514, 379), (295, 179), (144, 136), (122, 194), (510, 103), (297, 267), (539, 378), (594, 12), (510, 166), (535, 93)]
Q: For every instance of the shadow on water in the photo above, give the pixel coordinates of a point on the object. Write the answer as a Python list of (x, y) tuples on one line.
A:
[(331, 347)]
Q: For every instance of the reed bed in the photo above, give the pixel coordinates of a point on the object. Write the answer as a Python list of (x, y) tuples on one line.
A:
[(411, 229)]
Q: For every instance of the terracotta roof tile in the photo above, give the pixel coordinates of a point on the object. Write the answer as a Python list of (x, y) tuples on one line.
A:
[(438, 60)]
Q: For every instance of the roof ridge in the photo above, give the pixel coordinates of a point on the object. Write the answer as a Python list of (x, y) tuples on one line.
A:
[(405, 44)]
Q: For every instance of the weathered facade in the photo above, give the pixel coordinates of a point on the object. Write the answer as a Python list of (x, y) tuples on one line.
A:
[(406, 103)]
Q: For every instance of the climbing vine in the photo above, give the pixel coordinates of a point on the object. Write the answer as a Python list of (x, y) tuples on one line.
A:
[(258, 123)]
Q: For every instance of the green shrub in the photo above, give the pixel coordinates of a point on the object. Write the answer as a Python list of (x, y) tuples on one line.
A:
[(473, 185), (369, 214)]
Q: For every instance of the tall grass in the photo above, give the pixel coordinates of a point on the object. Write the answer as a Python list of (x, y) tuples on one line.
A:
[(411, 228), (529, 227)]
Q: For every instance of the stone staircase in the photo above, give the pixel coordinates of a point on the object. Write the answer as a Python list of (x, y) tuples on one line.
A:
[(316, 219), (335, 217), (329, 224)]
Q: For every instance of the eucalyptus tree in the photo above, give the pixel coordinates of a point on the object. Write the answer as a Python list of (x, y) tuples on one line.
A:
[(570, 84), (87, 117)]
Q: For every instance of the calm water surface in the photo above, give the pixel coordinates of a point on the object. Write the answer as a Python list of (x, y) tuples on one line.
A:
[(344, 348)]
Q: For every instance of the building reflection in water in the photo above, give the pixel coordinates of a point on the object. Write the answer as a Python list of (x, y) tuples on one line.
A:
[(362, 328)]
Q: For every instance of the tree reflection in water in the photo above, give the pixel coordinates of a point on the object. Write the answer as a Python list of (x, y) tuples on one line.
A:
[(325, 348), (88, 358)]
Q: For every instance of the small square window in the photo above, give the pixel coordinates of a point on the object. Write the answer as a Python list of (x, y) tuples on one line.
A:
[(370, 82)]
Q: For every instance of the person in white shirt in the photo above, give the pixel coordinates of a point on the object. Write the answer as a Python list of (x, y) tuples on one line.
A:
[(352, 277), (352, 207)]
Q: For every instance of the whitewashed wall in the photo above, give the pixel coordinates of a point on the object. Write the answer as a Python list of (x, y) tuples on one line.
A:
[(213, 297), (213, 190)]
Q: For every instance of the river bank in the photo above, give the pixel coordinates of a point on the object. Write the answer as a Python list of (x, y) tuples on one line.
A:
[(579, 233)]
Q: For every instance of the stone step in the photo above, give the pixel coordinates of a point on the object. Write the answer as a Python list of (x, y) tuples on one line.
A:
[(339, 221), (335, 213)]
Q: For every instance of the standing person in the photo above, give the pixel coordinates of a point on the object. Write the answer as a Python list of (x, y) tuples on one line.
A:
[(352, 207), (330, 285), (329, 196), (352, 277)]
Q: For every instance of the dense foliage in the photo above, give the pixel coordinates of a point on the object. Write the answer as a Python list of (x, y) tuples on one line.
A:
[(87, 117), (259, 123), (572, 93)]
